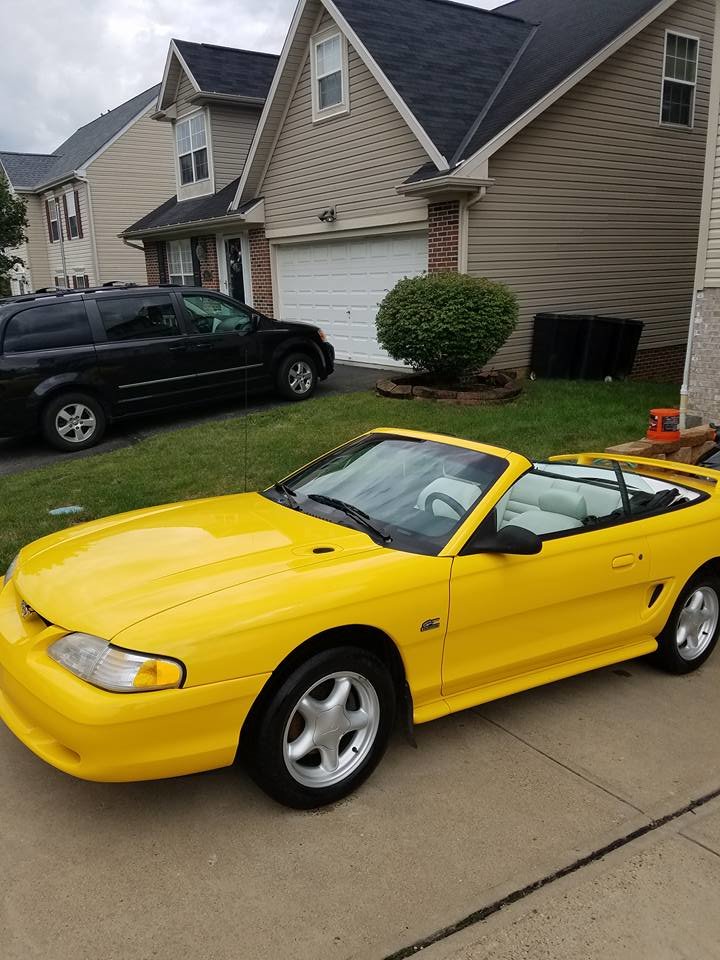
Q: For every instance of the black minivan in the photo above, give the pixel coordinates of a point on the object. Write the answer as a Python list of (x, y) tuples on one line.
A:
[(71, 361)]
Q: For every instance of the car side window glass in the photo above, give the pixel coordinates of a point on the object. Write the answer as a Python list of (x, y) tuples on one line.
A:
[(138, 318), (210, 315), (48, 326)]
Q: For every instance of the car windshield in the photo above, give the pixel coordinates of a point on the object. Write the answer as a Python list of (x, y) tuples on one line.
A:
[(408, 494)]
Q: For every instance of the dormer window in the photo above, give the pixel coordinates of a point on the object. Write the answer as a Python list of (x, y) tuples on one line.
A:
[(192, 149), (330, 75)]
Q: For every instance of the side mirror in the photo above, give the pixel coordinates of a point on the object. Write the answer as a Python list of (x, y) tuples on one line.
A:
[(513, 541)]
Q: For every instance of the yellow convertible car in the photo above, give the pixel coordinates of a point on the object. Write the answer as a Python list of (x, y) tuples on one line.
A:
[(402, 576)]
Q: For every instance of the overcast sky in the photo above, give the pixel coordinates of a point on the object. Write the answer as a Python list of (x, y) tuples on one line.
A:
[(63, 64)]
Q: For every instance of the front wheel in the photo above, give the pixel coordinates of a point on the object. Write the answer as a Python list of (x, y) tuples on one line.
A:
[(325, 729), (692, 631), (297, 377), (73, 421)]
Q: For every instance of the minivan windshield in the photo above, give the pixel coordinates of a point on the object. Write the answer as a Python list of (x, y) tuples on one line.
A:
[(406, 493)]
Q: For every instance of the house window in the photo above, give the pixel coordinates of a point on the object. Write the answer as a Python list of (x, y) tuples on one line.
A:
[(53, 219), (80, 281), (680, 79), (329, 68), (72, 215), (180, 263), (192, 149)]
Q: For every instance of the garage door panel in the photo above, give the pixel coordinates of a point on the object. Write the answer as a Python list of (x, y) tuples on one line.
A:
[(339, 285)]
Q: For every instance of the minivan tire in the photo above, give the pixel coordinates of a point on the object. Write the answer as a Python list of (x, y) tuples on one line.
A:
[(73, 421), (297, 377)]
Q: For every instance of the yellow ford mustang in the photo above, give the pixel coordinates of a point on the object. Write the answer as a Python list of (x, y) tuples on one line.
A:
[(402, 575)]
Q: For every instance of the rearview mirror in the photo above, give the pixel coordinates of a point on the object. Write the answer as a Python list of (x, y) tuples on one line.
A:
[(513, 541)]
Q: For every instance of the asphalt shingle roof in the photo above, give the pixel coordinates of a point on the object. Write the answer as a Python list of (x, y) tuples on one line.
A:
[(226, 70), (174, 213), (77, 149)]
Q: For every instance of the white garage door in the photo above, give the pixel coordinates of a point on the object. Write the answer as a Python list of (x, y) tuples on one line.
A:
[(339, 284)]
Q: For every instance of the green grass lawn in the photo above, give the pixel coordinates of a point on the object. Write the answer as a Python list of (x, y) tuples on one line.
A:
[(551, 417)]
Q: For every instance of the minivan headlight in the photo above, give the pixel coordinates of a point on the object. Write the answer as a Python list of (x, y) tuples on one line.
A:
[(10, 572), (111, 668)]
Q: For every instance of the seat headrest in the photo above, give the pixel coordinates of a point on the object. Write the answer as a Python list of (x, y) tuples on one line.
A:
[(566, 502)]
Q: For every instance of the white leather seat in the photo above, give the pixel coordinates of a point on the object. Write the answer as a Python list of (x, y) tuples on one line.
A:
[(526, 493), (558, 510), (464, 492)]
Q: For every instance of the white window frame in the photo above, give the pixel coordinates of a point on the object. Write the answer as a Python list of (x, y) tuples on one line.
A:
[(186, 279), (78, 278), (192, 151), (337, 109), (72, 214), (54, 208), (686, 83)]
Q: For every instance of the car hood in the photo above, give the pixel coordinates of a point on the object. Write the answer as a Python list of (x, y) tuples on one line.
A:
[(105, 576)]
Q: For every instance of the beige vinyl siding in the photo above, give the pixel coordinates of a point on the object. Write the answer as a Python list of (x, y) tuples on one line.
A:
[(79, 256), (132, 177), (185, 91), (354, 162), (596, 205), (37, 242), (232, 131)]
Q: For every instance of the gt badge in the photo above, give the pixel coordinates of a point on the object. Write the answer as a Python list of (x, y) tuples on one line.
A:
[(430, 625)]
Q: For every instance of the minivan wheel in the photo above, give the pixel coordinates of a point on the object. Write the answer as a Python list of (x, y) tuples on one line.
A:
[(297, 377), (73, 421)]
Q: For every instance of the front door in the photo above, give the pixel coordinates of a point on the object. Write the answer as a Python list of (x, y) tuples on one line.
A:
[(223, 343), (141, 351), (586, 593), (234, 268)]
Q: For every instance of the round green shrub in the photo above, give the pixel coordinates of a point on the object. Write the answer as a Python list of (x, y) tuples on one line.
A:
[(447, 324)]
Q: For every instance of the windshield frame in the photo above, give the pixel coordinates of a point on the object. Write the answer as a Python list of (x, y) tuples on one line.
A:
[(398, 538)]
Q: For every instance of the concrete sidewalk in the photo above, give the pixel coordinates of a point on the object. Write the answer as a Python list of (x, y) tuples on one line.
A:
[(493, 800)]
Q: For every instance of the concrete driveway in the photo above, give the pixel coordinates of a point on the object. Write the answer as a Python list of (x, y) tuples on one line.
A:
[(493, 801), (28, 454)]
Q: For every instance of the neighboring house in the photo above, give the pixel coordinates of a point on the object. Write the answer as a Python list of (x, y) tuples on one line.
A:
[(81, 196), (555, 145), (211, 99), (701, 392)]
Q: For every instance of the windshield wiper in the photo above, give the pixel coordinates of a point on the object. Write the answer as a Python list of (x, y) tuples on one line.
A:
[(289, 495), (355, 513)]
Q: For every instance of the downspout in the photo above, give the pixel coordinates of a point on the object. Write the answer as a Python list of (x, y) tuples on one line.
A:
[(465, 208), (91, 218)]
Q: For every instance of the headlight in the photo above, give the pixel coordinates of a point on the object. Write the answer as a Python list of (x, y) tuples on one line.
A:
[(113, 669), (10, 572)]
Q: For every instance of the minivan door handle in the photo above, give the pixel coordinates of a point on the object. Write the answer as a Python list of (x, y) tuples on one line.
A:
[(180, 346)]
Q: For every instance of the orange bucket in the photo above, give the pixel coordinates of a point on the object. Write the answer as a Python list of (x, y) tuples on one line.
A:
[(664, 425)]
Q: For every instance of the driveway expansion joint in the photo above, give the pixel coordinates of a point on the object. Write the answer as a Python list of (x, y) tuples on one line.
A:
[(484, 913)]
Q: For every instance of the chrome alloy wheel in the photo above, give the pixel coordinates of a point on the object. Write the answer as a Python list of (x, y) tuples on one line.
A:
[(300, 377), (75, 422), (331, 730), (697, 623)]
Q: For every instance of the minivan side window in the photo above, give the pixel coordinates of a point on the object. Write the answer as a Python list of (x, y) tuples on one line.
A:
[(213, 315), (48, 326), (138, 318)]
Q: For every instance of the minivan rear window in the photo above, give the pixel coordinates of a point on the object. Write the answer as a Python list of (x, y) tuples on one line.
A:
[(48, 326)]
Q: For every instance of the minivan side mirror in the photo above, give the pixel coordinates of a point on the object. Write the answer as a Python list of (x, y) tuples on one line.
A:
[(512, 541)]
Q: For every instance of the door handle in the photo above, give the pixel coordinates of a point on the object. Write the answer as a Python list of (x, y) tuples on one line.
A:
[(626, 560), (205, 345), (180, 347)]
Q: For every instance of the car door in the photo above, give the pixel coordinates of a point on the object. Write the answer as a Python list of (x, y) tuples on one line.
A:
[(142, 352), (223, 343), (587, 593)]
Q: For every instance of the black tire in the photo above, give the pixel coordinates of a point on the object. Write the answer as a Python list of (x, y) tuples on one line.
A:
[(297, 378), (270, 734), (675, 655), (88, 434)]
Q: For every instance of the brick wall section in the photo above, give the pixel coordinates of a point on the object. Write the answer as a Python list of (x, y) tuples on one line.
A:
[(661, 365), (152, 262), (444, 237), (704, 400), (208, 263), (261, 270)]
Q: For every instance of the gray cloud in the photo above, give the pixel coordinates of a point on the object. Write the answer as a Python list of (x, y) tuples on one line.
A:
[(65, 63)]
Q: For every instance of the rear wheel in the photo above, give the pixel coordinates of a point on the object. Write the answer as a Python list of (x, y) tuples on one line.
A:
[(692, 632), (74, 421), (297, 377), (325, 729)]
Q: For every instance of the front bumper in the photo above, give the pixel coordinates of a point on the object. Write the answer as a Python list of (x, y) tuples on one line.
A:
[(102, 736), (329, 356)]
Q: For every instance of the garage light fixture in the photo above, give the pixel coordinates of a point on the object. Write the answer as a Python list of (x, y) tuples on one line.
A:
[(328, 216)]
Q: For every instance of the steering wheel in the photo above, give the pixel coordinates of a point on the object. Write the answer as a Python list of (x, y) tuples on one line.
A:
[(449, 501)]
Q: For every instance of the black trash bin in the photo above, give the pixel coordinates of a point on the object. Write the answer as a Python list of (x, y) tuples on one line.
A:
[(584, 346)]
